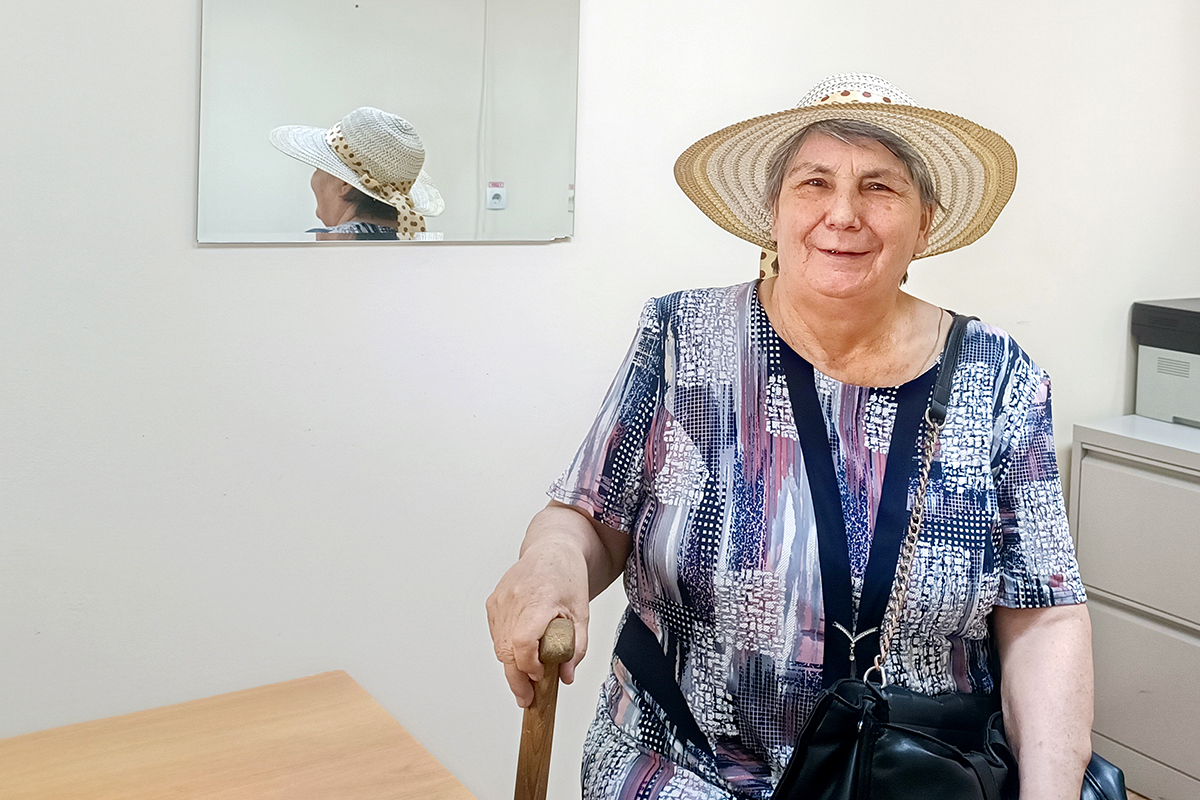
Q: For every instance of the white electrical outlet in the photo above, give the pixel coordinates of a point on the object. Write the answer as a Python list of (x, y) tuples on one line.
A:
[(497, 197)]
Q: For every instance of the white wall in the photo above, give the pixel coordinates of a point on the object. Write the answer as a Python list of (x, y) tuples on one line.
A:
[(227, 466)]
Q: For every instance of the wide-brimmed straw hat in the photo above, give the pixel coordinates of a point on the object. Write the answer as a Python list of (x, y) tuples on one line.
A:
[(973, 168), (378, 153)]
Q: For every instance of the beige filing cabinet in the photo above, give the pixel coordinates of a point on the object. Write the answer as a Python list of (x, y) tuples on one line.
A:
[(1135, 516)]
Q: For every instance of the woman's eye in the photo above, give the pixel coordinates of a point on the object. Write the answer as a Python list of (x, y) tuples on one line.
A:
[(877, 187)]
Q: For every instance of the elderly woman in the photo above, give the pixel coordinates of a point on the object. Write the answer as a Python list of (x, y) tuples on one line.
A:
[(368, 181), (693, 482)]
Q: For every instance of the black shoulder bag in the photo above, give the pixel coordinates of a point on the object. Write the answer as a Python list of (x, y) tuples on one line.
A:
[(869, 740)]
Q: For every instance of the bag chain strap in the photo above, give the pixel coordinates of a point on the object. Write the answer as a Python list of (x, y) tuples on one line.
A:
[(908, 553)]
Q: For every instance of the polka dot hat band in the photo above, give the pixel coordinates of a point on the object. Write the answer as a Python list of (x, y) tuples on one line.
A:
[(396, 193)]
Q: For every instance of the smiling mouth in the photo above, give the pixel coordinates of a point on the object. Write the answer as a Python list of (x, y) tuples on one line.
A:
[(841, 252)]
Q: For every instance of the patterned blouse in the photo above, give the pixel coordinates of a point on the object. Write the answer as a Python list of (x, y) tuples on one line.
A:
[(695, 453), (362, 231)]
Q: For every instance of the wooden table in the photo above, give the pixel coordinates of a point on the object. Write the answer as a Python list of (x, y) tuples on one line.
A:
[(320, 737)]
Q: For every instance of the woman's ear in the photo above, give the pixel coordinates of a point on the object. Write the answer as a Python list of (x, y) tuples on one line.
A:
[(343, 188), (922, 243)]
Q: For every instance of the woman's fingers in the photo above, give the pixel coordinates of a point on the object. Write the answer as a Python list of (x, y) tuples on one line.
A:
[(519, 654), (581, 640), (518, 681), (526, 639), (517, 626), (517, 640)]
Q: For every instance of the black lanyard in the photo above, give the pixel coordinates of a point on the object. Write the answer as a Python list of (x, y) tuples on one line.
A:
[(891, 520)]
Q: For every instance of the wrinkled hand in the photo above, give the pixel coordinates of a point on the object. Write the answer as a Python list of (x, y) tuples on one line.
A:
[(549, 580)]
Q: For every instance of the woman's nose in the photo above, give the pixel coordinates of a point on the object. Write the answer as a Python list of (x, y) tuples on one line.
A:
[(843, 209)]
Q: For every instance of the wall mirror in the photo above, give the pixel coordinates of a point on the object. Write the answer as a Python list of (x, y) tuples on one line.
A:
[(489, 85)]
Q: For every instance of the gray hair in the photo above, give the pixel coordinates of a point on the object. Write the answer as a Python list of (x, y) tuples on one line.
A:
[(851, 132)]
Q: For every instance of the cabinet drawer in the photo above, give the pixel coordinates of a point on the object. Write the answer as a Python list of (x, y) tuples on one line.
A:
[(1146, 696), (1146, 776), (1139, 532)]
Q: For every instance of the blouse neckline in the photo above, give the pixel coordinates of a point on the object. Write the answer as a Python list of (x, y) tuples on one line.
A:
[(761, 311)]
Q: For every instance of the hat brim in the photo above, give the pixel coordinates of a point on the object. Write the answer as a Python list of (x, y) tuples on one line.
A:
[(973, 168), (307, 144)]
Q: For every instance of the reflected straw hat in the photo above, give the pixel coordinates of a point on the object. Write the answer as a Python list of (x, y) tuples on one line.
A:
[(974, 169), (378, 153)]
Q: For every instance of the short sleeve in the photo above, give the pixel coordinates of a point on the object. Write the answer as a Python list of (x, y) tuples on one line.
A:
[(1037, 557), (608, 478)]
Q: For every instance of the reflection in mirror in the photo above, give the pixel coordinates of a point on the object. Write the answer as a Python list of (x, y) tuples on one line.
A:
[(486, 89), (367, 178)]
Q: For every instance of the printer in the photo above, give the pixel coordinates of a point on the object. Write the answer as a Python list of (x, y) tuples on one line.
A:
[(1168, 378)]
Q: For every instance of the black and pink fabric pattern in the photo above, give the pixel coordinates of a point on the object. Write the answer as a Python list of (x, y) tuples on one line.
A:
[(695, 453)]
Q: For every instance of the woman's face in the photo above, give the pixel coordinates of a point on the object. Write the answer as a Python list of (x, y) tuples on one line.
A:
[(329, 192), (848, 219)]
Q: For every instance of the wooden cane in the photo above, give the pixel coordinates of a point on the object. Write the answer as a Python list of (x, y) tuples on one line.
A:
[(537, 729)]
